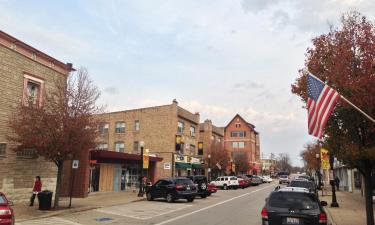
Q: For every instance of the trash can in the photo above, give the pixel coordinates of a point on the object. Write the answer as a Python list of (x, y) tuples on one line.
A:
[(45, 200)]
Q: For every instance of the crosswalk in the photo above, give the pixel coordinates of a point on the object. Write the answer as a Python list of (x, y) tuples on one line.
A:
[(49, 221)]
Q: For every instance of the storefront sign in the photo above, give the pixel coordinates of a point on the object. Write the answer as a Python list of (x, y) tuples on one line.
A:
[(75, 164), (167, 166), (180, 158), (145, 161), (324, 157), (178, 142), (195, 160)]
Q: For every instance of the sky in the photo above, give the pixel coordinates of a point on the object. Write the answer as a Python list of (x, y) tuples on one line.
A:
[(218, 57)]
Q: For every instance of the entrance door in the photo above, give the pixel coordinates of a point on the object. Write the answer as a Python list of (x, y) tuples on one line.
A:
[(116, 178), (123, 179)]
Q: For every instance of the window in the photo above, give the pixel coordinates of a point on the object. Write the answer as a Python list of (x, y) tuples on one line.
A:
[(26, 153), (103, 146), (233, 134), (192, 149), (192, 131), (119, 146), (238, 125), (136, 125), (242, 133), (103, 128), (299, 201), (3, 147), (136, 146), (120, 127), (234, 144), (241, 144), (33, 90), (180, 127)]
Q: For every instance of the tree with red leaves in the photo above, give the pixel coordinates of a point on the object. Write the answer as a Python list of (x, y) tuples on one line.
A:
[(344, 59), (308, 156), (63, 126), (218, 156)]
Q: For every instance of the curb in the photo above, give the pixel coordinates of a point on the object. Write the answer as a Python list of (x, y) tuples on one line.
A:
[(75, 210), (329, 216)]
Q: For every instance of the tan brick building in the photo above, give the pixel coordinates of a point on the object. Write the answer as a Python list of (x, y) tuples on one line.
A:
[(25, 74), (169, 133), (242, 140)]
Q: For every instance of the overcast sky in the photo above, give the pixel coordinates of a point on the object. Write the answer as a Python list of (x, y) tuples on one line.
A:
[(218, 57)]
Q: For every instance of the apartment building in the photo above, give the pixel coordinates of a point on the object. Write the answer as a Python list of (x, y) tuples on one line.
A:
[(168, 134), (26, 75), (242, 141)]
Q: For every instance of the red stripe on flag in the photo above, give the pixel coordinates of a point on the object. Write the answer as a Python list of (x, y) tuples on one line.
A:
[(322, 110), (333, 102)]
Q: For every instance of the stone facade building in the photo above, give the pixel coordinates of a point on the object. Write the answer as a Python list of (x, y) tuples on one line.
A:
[(242, 140), (26, 74), (169, 134)]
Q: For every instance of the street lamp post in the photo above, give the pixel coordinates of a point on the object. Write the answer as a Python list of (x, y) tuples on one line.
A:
[(209, 167), (318, 172), (231, 167), (140, 193), (332, 181)]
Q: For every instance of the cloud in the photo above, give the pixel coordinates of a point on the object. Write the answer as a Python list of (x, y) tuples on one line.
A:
[(248, 84), (111, 90), (256, 5)]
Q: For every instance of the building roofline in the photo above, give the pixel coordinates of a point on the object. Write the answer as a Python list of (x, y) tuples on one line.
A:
[(137, 109), (66, 66), (249, 124)]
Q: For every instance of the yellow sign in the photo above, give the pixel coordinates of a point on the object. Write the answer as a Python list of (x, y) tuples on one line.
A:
[(145, 161), (200, 145), (324, 159), (178, 139), (233, 167)]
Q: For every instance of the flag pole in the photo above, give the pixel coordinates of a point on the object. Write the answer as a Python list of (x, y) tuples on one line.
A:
[(343, 98)]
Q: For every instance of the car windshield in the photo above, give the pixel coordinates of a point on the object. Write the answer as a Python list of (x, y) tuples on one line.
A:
[(184, 181), (2, 200), (303, 184), (283, 176), (293, 200)]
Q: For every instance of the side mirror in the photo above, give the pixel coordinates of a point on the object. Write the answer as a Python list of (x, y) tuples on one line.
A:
[(10, 203), (323, 203)]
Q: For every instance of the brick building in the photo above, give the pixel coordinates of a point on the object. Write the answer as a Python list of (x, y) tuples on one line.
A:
[(169, 134), (242, 140), (26, 74), (210, 137)]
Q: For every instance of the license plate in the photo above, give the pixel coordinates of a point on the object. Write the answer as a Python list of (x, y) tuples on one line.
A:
[(291, 220), (187, 188)]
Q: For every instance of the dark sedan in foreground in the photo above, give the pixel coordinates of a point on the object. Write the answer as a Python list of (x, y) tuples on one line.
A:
[(293, 206)]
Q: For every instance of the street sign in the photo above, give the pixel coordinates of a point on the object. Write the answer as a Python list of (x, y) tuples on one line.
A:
[(75, 164), (167, 166), (218, 166)]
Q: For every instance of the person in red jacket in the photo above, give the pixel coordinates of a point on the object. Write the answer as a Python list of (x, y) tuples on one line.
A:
[(37, 188)]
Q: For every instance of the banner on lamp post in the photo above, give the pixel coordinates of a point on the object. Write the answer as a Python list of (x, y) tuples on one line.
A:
[(145, 161), (324, 159)]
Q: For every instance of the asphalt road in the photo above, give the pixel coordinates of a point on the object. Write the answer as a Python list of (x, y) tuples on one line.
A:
[(237, 207)]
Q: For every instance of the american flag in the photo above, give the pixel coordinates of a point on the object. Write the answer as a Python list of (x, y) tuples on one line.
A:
[(320, 103)]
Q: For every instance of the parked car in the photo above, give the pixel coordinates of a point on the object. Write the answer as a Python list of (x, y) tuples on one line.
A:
[(201, 182), (293, 205), (247, 181), (172, 189), (255, 180), (6, 211), (226, 182), (267, 179), (304, 183), (284, 179), (211, 188)]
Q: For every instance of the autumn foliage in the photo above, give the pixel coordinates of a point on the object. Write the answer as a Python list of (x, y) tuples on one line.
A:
[(63, 126)]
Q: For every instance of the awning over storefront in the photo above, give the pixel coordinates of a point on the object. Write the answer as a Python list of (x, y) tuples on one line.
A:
[(196, 166), (182, 165), (103, 156)]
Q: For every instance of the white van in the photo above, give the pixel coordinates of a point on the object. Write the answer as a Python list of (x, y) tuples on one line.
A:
[(226, 182)]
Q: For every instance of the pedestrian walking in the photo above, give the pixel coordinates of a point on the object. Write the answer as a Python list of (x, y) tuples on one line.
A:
[(337, 182), (36, 189)]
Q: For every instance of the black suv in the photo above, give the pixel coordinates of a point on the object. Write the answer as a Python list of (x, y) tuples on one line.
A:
[(304, 184), (172, 189), (201, 182), (293, 205)]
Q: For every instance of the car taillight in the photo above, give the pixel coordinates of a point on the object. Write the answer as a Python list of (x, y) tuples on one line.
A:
[(179, 186), (264, 213), (322, 217), (5, 214)]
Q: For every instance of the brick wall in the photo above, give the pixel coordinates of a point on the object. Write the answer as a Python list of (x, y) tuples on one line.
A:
[(17, 174)]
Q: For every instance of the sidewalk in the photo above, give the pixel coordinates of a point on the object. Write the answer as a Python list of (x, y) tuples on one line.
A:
[(93, 201), (352, 209)]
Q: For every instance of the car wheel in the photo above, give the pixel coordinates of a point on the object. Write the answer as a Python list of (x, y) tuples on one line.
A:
[(170, 197), (190, 199), (225, 187), (149, 197)]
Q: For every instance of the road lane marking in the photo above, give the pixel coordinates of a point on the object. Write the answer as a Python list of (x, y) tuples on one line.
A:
[(211, 206)]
